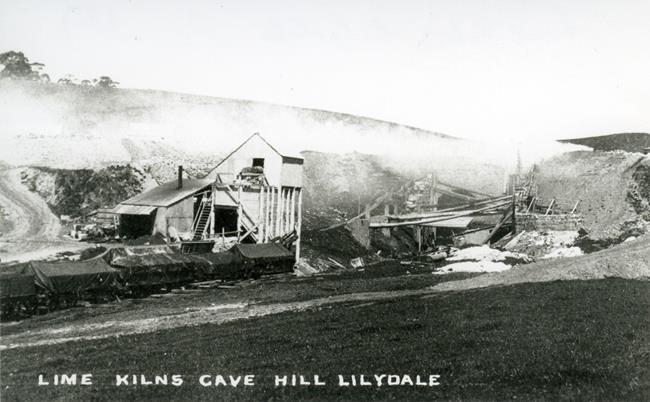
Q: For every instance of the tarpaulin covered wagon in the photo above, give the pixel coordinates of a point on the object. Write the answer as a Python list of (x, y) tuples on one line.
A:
[(153, 270), (167, 268), (62, 282), (69, 277), (264, 259), (17, 293)]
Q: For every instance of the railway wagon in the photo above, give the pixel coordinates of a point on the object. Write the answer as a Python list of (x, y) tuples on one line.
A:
[(206, 266), (60, 283), (263, 259), (145, 273), (43, 286), (17, 295)]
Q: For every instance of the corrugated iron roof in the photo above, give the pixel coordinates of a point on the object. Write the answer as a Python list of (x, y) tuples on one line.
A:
[(124, 209), (168, 194)]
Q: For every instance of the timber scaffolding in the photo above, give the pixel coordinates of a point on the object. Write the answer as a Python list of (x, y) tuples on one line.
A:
[(495, 217), (428, 216), (264, 213), (535, 212)]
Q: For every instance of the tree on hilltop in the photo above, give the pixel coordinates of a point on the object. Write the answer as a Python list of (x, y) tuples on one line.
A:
[(17, 65), (106, 82)]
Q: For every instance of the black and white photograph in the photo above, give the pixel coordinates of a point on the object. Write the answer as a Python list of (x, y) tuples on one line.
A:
[(362, 200)]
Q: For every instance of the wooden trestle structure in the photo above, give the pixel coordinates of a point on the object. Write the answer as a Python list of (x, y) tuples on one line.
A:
[(264, 213), (428, 214)]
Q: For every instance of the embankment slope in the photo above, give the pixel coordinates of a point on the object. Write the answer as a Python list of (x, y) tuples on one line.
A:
[(611, 187), (629, 260)]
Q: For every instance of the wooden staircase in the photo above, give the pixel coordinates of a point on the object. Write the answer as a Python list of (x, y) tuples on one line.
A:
[(203, 220)]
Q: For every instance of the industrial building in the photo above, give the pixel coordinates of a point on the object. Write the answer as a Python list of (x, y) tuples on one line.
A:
[(254, 195)]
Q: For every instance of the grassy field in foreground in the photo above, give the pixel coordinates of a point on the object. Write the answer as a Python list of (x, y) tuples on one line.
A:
[(586, 340)]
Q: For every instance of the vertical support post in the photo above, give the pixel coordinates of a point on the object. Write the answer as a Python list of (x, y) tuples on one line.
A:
[(266, 213), (278, 214), (223, 236), (260, 220), (212, 211), (280, 211), (288, 230), (212, 223), (285, 193), (272, 218), (239, 213), (419, 236), (292, 223), (283, 221), (299, 226), (285, 196), (386, 209)]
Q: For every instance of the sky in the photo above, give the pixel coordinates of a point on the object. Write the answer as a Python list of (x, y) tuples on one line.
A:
[(508, 69)]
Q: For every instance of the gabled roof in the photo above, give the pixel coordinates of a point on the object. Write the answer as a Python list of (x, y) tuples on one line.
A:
[(290, 158), (168, 194)]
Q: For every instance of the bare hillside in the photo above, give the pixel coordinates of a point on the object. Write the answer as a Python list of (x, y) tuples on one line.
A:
[(75, 127), (82, 121)]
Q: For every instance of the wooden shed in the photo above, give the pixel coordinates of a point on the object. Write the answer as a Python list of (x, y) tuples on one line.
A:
[(170, 205)]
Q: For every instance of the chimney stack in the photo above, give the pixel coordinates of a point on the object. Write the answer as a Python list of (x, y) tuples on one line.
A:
[(180, 177)]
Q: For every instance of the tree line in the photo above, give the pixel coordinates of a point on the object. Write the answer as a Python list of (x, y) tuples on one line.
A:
[(16, 66)]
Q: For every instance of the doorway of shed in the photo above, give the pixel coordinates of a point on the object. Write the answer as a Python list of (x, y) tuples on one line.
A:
[(225, 219), (134, 226)]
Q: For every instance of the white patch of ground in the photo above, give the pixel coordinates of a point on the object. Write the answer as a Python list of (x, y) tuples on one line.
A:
[(473, 266), (484, 253)]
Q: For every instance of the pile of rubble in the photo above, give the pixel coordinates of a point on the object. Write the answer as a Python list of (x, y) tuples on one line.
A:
[(628, 260), (545, 244), (481, 259), (524, 248)]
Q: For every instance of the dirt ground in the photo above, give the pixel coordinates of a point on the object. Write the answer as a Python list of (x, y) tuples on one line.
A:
[(34, 232), (566, 340)]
